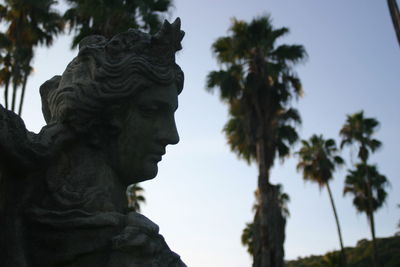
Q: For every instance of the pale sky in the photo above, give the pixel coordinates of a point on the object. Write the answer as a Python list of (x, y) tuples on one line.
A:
[(203, 194)]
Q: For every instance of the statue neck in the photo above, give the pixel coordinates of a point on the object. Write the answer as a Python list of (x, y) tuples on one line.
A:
[(83, 174)]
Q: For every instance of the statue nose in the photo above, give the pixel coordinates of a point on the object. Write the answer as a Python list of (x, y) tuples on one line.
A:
[(173, 136), (169, 133)]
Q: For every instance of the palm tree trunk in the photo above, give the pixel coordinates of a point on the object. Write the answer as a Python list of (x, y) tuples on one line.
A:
[(14, 95), (270, 224), (269, 234), (370, 215), (21, 101), (262, 255), (6, 93), (395, 15), (374, 246), (343, 255)]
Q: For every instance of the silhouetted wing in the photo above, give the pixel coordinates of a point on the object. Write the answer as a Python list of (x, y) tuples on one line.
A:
[(15, 142), (16, 158)]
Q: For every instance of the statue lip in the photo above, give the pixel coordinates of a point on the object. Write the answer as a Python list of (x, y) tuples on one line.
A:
[(156, 156)]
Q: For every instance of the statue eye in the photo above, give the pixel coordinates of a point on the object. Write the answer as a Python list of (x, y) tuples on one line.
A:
[(149, 110)]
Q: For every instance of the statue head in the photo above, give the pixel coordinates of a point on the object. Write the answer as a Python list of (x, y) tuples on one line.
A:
[(119, 96)]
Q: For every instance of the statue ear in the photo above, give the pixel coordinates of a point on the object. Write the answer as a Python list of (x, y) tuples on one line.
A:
[(116, 121), (45, 89)]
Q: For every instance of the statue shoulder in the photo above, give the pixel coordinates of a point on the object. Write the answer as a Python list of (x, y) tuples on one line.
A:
[(140, 244)]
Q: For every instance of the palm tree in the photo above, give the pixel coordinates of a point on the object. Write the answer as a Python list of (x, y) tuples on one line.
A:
[(359, 130), (134, 194), (318, 160), (367, 186), (87, 17), (395, 15), (29, 23), (258, 82)]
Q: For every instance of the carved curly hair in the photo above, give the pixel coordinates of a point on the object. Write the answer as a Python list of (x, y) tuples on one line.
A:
[(106, 74)]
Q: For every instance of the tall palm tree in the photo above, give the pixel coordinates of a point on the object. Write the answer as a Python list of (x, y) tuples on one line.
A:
[(29, 23), (258, 82), (87, 17), (134, 194), (359, 130), (318, 160), (367, 186), (395, 15)]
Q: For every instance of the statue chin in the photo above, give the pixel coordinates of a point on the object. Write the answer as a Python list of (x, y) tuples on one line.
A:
[(148, 174), (132, 176)]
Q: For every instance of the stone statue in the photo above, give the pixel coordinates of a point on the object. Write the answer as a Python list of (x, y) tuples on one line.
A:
[(109, 118)]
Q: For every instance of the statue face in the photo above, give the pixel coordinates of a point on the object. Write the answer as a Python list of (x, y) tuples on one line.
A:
[(149, 127)]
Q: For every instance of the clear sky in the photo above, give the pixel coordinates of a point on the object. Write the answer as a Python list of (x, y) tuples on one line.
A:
[(203, 194)]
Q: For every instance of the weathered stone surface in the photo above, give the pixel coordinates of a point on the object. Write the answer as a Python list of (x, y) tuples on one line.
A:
[(109, 117)]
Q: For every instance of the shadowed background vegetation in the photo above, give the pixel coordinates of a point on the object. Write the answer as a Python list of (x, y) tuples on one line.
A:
[(359, 256)]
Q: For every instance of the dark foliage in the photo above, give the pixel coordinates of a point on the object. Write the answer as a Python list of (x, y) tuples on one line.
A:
[(359, 256)]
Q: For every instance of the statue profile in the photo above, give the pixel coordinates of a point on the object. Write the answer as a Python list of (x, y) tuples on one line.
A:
[(109, 118)]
